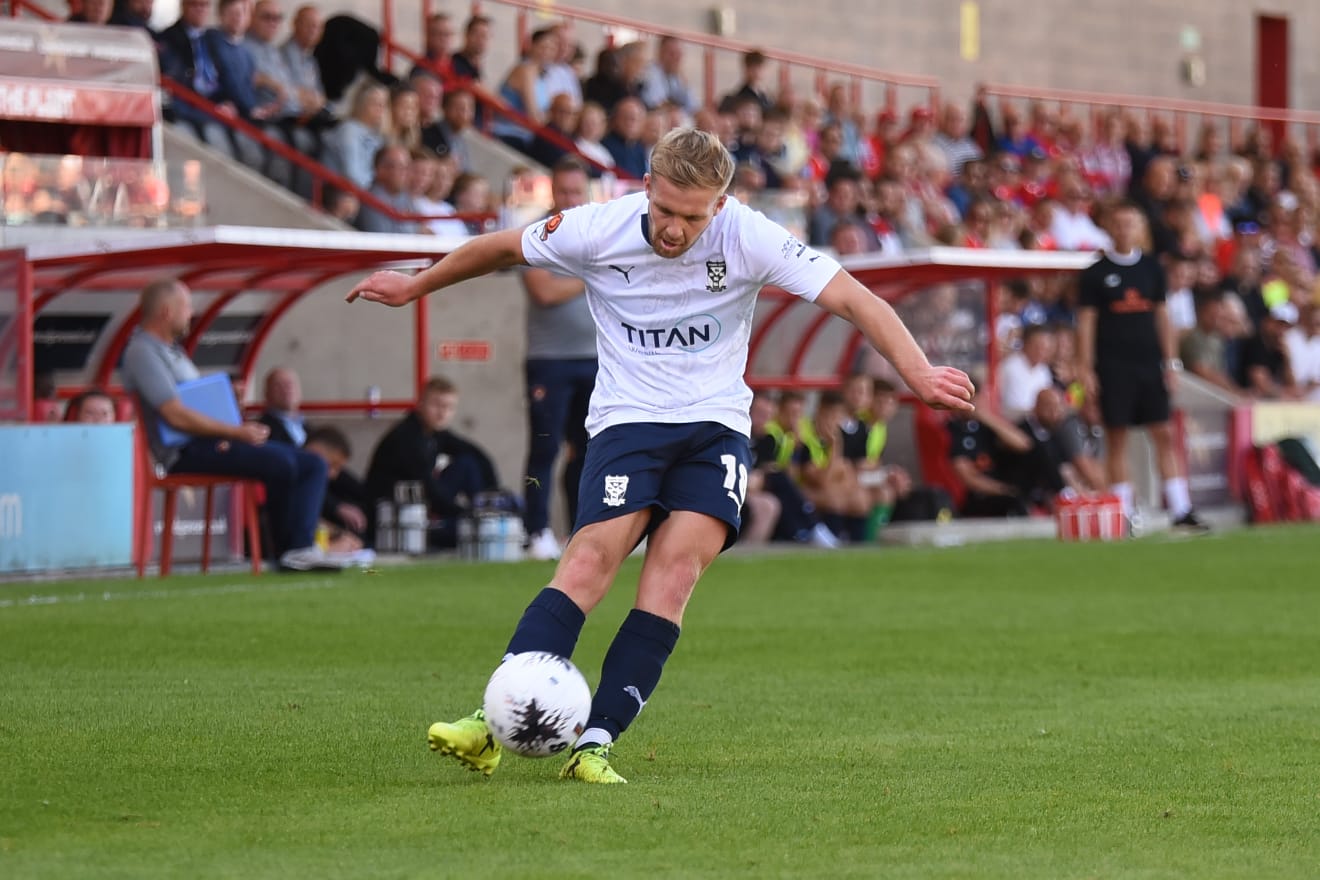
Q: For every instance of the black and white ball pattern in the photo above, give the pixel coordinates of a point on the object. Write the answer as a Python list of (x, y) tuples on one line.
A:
[(537, 704)]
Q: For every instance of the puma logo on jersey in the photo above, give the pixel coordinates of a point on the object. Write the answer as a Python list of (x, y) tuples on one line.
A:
[(624, 272)]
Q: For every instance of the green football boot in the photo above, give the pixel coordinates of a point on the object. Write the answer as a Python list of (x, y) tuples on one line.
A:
[(591, 764), (469, 740)]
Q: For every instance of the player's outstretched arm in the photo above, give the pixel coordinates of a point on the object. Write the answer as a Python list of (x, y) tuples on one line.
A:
[(938, 387), (476, 257)]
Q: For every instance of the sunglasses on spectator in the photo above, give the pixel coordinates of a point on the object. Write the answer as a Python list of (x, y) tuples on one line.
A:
[(271, 16)]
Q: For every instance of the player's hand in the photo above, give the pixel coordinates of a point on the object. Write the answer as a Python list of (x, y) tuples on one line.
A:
[(390, 288), (254, 433), (1090, 384), (352, 516), (1171, 380), (943, 388)]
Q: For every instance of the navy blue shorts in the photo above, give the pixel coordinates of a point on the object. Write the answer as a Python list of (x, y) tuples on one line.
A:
[(701, 467)]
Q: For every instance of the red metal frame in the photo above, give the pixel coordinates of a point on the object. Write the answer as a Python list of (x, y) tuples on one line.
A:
[(24, 390)]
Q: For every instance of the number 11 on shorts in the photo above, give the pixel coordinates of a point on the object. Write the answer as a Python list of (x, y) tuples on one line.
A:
[(735, 479)]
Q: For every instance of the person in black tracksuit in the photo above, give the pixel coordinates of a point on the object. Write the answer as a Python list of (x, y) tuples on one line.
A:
[(1126, 354)]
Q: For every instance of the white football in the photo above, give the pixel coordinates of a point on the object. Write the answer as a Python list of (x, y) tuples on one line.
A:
[(537, 704)]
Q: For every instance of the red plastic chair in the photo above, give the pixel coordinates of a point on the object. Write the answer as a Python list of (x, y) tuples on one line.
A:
[(149, 482)]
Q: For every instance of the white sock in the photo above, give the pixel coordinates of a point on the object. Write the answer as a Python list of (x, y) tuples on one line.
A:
[(593, 736), (1177, 496), (1124, 493)]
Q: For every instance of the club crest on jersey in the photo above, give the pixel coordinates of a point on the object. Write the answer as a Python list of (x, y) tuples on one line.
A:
[(615, 489), (715, 272), (548, 228)]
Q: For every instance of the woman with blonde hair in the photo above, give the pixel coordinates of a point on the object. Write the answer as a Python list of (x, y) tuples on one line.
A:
[(350, 147)]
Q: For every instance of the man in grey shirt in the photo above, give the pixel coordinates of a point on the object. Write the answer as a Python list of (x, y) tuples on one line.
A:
[(154, 365), (561, 373)]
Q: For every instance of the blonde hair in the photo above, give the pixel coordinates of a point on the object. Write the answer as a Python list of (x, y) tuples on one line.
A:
[(692, 159)]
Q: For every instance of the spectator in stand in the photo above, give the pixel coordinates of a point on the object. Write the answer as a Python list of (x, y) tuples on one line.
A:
[(300, 111), (624, 141), (850, 237), (663, 82), (607, 86), (1022, 375), (238, 87), (459, 108), (526, 90), (421, 448), (300, 61), (972, 185), (153, 367), (392, 165), (560, 372), (839, 110), (350, 148), (887, 221), (471, 195), (1107, 163), (186, 58), (1072, 227), (437, 56), (430, 95), (280, 413), (1265, 371), (842, 204), (91, 12), (391, 185), (556, 140), (593, 125), (953, 139), (755, 69), (94, 407), (467, 62), (560, 75), (1127, 355), (1153, 193), (346, 502), (405, 117), (1015, 140), (1203, 349), (134, 13), (1303, 344), (765, 152), (982, 448), (1179, 303), (435, 203)]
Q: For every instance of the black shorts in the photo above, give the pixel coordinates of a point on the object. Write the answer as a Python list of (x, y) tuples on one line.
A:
[(1132, 395), (663, 467)]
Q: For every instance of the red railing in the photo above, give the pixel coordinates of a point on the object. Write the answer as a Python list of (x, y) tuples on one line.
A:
[(495, 105), (858, 75), (1232, 117)]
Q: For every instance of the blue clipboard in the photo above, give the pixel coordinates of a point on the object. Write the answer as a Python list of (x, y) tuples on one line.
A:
[(212, 396)]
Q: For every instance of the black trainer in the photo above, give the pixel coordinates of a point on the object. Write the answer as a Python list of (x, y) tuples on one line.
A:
[(1190, 523)]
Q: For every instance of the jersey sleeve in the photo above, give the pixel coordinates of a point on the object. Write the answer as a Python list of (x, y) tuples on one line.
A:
[(1088, 288), (561, 242), (779, 258)]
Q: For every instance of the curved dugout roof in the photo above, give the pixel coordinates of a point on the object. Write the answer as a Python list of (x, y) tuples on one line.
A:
[(245, 279)]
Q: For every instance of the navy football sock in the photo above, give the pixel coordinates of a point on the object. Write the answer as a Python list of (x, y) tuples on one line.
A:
[(551, 623), (631, 671)]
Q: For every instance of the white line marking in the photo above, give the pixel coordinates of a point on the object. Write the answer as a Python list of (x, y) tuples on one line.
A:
[(34, 600)]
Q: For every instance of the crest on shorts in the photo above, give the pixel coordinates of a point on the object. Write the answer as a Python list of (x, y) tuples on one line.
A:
[(615, 489), (548, 228), (715, 271)]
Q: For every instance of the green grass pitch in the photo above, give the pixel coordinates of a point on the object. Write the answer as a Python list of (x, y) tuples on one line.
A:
[(1022, 710)]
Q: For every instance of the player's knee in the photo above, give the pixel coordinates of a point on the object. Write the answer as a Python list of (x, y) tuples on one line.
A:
[(586, 570)]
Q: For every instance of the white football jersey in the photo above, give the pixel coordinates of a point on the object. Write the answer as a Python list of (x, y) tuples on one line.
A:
[(672, 333)]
